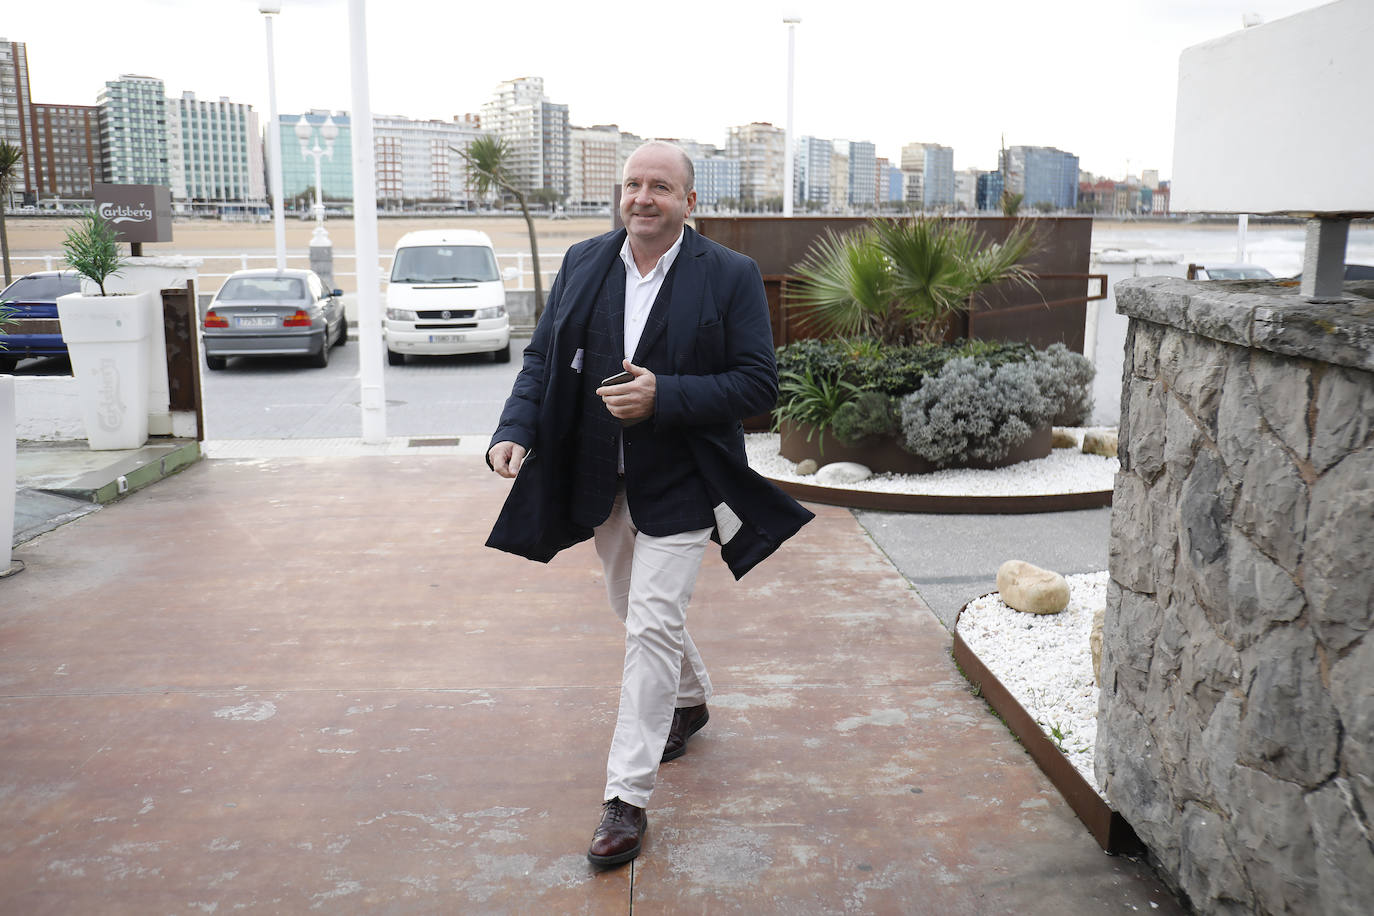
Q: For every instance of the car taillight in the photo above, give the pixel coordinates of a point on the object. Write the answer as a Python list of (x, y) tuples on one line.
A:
[(299, 320), (213, 320)]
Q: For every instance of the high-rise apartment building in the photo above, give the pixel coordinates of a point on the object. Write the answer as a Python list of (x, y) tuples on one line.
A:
[(717, 180), (535, 129), (760, 148), (65, 151), (966, 190), (812, 173), (990, 185), (16, 109), (1045, 177), (594, 165), (929, 169), (298, 169), (839, 176), (133, 131), (422, 161), (214, 151), (863, 174)]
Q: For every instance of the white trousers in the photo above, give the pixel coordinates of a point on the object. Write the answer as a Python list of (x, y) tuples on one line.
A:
[(649, 581)]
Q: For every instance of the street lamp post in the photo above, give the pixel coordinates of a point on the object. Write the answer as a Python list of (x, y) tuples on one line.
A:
[(328, 132), (371, 381), (270, 8), (789, 154)]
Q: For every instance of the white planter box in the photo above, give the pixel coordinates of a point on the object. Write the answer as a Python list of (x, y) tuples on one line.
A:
[(108, 339)]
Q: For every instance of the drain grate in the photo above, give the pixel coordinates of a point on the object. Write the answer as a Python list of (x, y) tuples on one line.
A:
[(434, 441)]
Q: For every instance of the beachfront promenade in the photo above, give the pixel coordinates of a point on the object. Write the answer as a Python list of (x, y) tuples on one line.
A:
[(294, 685)]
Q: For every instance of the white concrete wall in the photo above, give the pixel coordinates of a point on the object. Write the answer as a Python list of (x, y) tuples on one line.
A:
[(1275, 118), (47, 409)]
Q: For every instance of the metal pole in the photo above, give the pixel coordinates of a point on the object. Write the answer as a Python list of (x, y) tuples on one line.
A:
[(319, 199), (274, 142), (788, 155), (365, 231), (1242, 223)]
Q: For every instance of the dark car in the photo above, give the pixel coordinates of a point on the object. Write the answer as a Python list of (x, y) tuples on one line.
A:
[(34, 329), (271, 312)]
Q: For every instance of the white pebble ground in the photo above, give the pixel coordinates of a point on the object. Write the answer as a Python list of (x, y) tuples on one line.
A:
[(1045, 661), (1064, 470)]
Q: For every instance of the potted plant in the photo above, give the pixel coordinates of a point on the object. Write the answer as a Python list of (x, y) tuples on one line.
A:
[(107, 338)]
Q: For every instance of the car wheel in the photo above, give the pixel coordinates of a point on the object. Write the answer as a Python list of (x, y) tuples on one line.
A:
[(343, 332), (502, 355), (321, 359), (215, 362), (395, 359)]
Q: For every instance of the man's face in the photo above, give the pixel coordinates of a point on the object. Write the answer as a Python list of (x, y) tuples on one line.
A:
[(654, 202)]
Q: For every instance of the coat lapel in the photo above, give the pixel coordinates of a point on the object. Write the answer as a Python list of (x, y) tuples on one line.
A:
[(676, 313)]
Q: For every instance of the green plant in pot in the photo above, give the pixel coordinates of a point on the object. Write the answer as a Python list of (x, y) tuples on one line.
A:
[(92, 249), (811, 400), (902, 282)]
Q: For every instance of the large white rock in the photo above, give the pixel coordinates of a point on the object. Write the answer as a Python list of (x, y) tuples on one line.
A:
[(1031, 589), (841, 472), (806, 467)]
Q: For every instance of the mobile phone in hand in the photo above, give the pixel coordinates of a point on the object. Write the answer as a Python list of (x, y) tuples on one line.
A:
[(619, 378)]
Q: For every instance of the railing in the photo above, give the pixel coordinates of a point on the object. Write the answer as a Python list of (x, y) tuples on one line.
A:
[(218, 265)]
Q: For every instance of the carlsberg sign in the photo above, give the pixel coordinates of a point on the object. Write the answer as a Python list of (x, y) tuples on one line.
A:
[(139, 212)]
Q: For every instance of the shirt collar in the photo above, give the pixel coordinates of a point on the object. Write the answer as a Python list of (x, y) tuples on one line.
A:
[(664, 263)]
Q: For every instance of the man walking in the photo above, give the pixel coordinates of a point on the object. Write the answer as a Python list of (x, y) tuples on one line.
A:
[(624, 426)]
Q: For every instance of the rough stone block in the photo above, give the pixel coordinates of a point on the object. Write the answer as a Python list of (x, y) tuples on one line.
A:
[(1181, 438), (1129, 632), (1339, 565), (1204, 523), (1239, 421), (1195, 370), (1208, 871), (1030, 589), (1146, 411), (1340, 333), (1352, 693), (1142, 348), (1259, 593), (1273, 503), (1095, 643), (1345, 414), (1290, 729), (1219, 746), (1284, 390), (1273, 838), (1344, 854)]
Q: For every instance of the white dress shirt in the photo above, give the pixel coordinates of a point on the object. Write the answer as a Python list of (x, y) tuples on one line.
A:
[(642, 290)]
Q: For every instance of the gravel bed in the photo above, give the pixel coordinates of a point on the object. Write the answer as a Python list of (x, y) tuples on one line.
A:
[(1045, 661), (1064, 470)]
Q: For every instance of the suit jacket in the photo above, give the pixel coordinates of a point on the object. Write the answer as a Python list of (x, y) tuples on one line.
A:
[(709, 344)]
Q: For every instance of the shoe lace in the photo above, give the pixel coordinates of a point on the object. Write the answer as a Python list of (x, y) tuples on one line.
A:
[(615, 809)]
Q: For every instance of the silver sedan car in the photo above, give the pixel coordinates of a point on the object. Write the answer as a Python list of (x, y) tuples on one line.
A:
[(271, 312)]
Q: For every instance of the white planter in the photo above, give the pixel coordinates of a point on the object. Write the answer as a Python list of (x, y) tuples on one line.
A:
[(8, 457), (108, 339)]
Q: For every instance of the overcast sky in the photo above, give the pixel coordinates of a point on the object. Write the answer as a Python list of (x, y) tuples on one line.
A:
[(1095, 77)]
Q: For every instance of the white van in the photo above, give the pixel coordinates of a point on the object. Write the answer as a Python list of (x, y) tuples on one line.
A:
[(445, 297)]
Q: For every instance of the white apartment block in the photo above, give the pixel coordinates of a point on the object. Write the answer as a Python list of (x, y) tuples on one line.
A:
[(760, 148), (133, 131), (966, 190), (535, 129), (812, 172), (839, 176), (863, 175), (929, 171), (595, 166), (422, 160), (214, 151)]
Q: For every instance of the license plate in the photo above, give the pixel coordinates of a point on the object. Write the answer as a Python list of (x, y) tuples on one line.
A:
[(445, 338), (257, 321)]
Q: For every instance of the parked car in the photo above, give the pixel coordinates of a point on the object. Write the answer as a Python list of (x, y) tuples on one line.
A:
[(35, 330), (269, 312), (445, 297), (1353, 272), (1228, 272)]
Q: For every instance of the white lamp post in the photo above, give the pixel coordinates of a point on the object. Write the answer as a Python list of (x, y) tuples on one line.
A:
[(789, 154), (372, 382), (329, 132), (270, 8)]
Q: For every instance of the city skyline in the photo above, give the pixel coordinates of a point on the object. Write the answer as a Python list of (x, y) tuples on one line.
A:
[(733, 66)]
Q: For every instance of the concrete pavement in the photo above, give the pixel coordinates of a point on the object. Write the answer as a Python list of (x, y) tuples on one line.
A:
[(286, 684)]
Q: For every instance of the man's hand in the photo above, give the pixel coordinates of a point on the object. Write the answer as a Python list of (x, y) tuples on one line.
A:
[(506, 458), (634, 400)]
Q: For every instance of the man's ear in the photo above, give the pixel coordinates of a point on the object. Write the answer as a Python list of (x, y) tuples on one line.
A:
[(691, 201)]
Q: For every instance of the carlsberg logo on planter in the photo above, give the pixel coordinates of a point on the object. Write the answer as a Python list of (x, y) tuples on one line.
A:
[(117, 213)]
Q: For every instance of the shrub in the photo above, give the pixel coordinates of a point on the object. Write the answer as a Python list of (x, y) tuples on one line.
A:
[(811, 399), (92, 249), (870, 413), (1065, 379), (895, 371), (972, 412)]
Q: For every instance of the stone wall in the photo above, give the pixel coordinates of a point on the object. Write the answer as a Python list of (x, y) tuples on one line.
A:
[(1236, 726)]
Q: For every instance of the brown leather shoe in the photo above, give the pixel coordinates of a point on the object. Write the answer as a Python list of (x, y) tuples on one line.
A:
[(687, 721), (621, 832)]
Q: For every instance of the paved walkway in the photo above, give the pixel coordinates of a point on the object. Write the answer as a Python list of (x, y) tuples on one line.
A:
[(301, 684)]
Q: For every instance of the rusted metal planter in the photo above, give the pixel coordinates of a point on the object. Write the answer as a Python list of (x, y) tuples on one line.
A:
[(945, 505), (1109, 828), (798, 441)]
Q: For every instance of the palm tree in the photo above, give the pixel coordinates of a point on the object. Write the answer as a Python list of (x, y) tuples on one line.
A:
[(488, 161), (903, 281), (9, 174)]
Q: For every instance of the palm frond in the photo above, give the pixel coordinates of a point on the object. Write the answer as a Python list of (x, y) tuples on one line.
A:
[(844, 285)]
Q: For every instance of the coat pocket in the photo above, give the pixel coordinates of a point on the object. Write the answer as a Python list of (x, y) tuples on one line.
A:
[(709, 347)]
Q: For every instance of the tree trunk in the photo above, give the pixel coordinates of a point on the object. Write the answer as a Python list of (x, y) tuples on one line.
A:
[(5, 242), (534, 257)]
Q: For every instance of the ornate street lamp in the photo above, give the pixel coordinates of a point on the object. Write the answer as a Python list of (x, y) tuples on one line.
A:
[(329, 132)]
